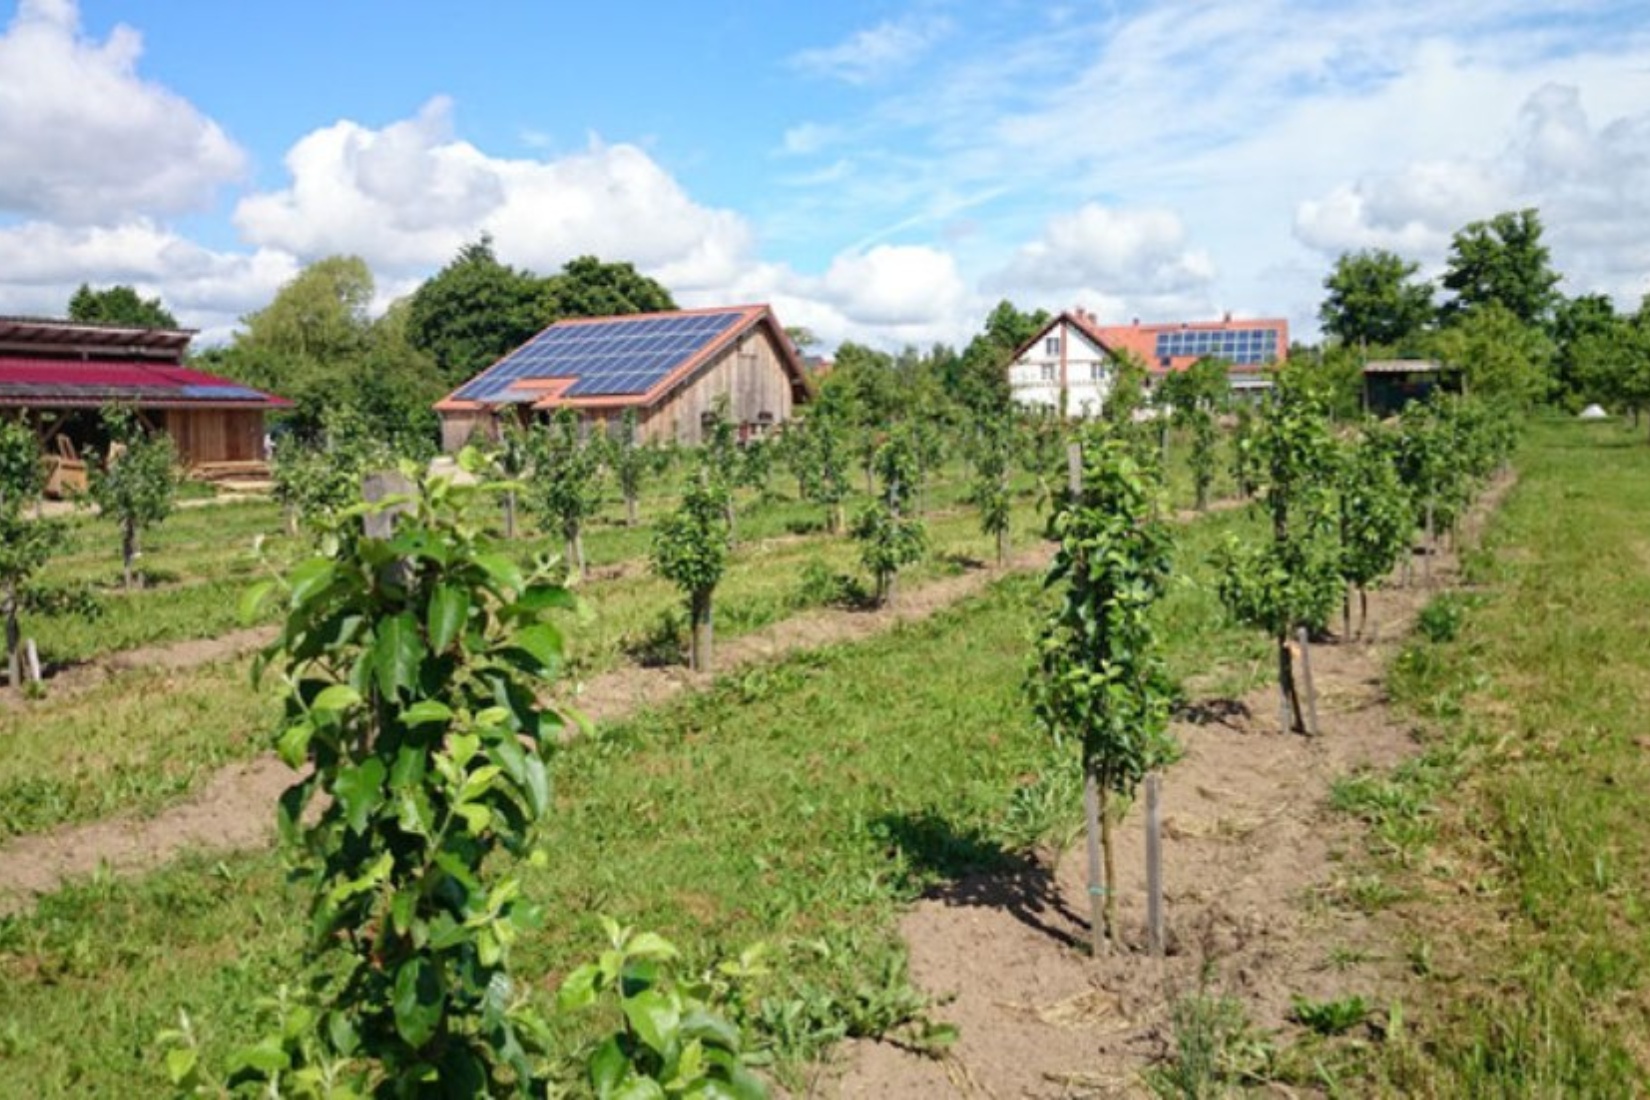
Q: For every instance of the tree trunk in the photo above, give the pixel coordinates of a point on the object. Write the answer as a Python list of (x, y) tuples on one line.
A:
[(128, 551), (1430, 546), (733, 520), (1311, 692), (510, 515), (575, 552), (291, 515), (14, 667), (1346, 614), (836, 518), (1291, 716), (630, 508), (1095, 823), (1002, 547), (1363, 613), (701, 639)]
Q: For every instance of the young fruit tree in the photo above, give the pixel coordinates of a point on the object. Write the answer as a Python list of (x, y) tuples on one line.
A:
[(889, 538), (690, 550), (26, 543), (513, 459), (1097, 679), (413, 663), (316, 478), (1377, 521), (631, 464), (993, 444), (1288, 584), (1195, 396), (566, 483), (722, 459), (1243, 451), (135, 482), (818, 454)]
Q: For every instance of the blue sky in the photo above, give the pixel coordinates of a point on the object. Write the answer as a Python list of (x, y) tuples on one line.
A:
[(879, 171)]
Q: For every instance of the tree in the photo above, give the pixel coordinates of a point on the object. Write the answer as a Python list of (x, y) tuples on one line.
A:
[(474, 310), (993, 446), (690, 550), (1377, 520), (631, 463), (979, 378), (1582, 328), (566, 482), (817, 449), (1500, 357), (411, 667), (26, 543), (1098, 679), (1503, 262), (1195, 396), (1374, 299), (1292, 579), (135, 482), (587, 287), (889, 538), (722, 460), (119, 305)]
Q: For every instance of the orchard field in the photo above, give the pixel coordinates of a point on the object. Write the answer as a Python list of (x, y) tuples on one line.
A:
[(1466, 911)]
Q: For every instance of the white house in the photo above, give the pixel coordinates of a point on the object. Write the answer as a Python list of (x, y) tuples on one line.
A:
[(1066, 367)]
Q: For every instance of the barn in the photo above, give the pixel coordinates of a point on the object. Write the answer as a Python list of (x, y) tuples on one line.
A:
[(60, 374), (671, 368)]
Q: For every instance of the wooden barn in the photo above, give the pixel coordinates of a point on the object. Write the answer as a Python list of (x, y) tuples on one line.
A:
[(60, 374), (669, 367)]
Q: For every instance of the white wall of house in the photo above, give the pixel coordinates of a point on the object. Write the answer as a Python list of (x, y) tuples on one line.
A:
[(1034, 378)]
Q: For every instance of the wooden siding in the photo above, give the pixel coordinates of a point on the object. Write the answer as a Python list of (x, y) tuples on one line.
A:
[(214, 435), (751, 376)]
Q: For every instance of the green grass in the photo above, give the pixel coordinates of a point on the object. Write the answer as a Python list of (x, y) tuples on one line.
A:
[(802, 803), (1525, 827)]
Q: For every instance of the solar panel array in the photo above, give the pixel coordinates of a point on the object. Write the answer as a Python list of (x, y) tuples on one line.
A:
[(1245, 347), (618, 356)]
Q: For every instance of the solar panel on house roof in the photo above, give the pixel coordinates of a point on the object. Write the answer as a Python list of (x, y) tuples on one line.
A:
[(1241, 346), (606, 358)]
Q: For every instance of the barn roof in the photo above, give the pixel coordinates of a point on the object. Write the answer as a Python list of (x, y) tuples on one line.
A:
[(94, 337), (58, 383), (616, 361)]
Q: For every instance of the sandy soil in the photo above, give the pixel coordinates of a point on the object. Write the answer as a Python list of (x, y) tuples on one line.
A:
[(1250, 855)]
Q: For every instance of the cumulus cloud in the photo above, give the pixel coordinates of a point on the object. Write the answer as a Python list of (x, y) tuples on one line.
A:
[(874, 52), (1592, 186), (85, 139), (405, 198), (1116, 262)]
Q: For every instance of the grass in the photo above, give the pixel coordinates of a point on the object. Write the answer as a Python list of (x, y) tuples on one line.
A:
[(801, 803), (1519, 838)]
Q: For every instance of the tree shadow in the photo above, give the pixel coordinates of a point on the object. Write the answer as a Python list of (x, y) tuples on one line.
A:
[(972, 870), (1234, 714)]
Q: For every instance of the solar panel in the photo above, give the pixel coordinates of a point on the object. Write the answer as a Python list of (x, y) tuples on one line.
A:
[(611, 357)]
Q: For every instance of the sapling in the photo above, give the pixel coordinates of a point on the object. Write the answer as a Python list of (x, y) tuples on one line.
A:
[(1098, 680), (690, 550), (890, 539), (135, 482), (1376, 521), (992, 445), (26, 544), (566, 484)]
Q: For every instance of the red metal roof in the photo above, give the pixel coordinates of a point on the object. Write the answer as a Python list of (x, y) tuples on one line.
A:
[(76, 382)]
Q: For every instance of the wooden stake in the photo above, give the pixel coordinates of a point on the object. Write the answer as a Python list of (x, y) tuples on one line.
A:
[(1154, 868), (1306, 675), (1430, 546), (1097, 890), (33, 655)]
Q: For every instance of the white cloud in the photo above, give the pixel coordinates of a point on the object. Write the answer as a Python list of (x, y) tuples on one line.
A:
[(1592, 187), (807, 138), (876, 52), (406, 197), (85, 139)]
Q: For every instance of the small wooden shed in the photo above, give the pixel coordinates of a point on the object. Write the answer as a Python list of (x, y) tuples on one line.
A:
[(669, 367), (60, 374), (1390, 384)]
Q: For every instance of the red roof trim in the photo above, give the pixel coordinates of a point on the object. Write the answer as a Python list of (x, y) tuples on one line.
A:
[(145, 384)]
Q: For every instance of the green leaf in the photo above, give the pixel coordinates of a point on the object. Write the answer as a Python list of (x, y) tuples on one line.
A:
[(419, 1001), (578, 989), (359, 791), (654, 1018), (608, 1067), (266, 1057), (427, 710), (335, 698), (396, 653), (252, 601), (504, 572), (639, 1088), (449, 607), (538, 785), (310, 577), (650, 945), (180, 1063), (293, 744), (543, 642)]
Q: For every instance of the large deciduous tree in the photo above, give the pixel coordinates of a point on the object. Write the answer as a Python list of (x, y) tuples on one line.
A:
[(474, 310), (1500, 356), (588, 287), (1374, 298), (119, 305), (1502, 261)]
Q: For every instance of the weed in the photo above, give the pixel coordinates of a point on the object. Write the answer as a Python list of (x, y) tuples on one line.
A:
[(1215, 1048), (1329, 1017)]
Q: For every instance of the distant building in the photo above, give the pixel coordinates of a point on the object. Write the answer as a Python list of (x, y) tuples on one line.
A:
[(60, 374), (1070, 362), (669, 367), (1390, 384)]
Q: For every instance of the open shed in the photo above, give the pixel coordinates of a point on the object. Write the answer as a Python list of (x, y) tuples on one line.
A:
[(60, 374), (1390, 384)]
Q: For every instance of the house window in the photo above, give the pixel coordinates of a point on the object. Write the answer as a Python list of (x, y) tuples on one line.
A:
[(1097, 372), (1048, 372), (1051, 346)]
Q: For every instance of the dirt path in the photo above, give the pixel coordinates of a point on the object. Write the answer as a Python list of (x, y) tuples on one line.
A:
[(1250, 858), (235, 809)]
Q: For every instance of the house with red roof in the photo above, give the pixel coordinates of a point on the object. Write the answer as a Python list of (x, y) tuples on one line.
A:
[(1069, 364), (60, 374), (672, 368)]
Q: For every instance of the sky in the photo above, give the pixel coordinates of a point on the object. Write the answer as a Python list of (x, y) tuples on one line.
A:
[(878, 172)]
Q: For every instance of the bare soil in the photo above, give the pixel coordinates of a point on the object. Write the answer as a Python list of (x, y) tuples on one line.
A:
[(69, 680), (1256, 901)]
